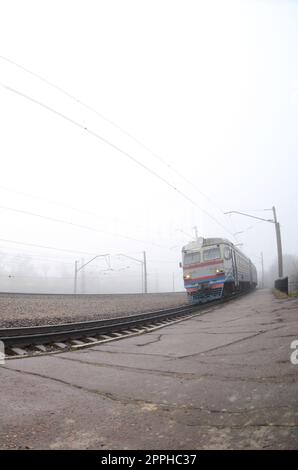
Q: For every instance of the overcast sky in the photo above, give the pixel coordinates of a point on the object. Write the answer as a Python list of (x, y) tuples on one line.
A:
[(210, 88)]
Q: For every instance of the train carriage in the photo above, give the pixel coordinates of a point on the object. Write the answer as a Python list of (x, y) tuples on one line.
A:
[(213, 268)]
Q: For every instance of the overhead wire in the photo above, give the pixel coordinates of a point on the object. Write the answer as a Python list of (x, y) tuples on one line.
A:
[(86, 227), (43, 278), (112, 123), (253, 226), (59, 203), (115, 147), (11, 251), (11, 258), (48, 247)]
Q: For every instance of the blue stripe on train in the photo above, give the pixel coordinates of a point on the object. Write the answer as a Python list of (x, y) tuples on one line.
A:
[(214, 280)]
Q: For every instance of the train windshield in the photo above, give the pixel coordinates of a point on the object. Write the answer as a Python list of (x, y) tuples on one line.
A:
[(190, 258), (211, 253)]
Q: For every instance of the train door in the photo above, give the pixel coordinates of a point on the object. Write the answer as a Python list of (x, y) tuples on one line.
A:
[(235, 270)]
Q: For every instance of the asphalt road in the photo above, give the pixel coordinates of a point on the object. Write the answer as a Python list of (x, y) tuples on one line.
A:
[(222, 380)]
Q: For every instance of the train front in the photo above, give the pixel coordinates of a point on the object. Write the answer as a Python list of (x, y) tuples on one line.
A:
[(203, 271)]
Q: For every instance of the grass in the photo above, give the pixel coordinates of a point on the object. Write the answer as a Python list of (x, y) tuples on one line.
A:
[(282, 295), (279, 294), (293, 294)]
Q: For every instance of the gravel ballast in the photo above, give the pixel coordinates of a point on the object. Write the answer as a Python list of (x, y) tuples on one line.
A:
[(17, 310)]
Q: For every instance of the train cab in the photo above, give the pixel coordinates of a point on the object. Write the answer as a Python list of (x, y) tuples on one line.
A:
[(213, 267)]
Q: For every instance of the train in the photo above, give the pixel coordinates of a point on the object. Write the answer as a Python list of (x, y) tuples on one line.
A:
[(214, 268)]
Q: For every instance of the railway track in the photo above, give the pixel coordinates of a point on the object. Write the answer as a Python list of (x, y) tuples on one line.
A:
[(52, 339)]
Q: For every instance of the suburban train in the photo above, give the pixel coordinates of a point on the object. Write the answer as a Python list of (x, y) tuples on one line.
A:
[(214, 268)]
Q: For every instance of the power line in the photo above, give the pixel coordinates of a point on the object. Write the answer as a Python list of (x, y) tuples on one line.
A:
[(255, 210), (46, 277), (36, 261), (250, 227), (115, 147), (12, 252), (11, 258), (113, 123), (86, 227), (254, 225), (43, 278), (57, 203), (33, 255), (47, 247)]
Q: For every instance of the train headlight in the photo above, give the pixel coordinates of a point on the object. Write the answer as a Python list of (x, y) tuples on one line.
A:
[(187, 276), (219, 271)]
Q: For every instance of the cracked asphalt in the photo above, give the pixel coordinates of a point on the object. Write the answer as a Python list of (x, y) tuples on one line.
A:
[(221, 380)]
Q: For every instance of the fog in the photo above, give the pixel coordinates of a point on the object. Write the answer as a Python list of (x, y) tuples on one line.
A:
[(192, 112)]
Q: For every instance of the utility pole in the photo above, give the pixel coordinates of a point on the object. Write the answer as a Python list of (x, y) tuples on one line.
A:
[(173, 282), (196, 231), (262, 264), (144, 269), (145, 273), (75, 277), (81, 267), (277, 231), (83, 278), (278, 241), (156, 281)]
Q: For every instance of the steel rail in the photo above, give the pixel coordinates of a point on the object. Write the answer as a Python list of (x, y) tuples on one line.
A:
[(46, 334), (24, 336)]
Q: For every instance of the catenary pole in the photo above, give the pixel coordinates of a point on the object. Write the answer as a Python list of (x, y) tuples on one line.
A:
[(75, 277), (277, 231), (278, 242), (82, 266), (145, 273)]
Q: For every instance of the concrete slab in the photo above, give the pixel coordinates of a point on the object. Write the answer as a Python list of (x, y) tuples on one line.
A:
[(221, 380)]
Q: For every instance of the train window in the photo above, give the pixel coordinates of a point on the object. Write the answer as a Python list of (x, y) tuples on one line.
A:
[(212, 253), (190, 258), (227, 252)]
